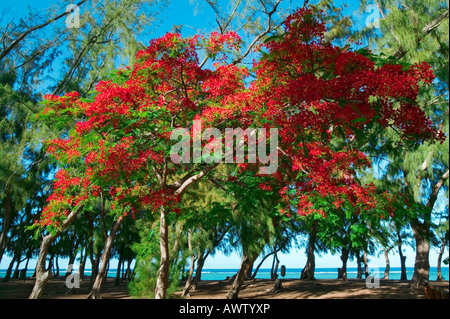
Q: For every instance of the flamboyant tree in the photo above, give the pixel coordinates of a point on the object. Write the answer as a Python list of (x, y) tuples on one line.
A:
[(322, 99), (121, 143)]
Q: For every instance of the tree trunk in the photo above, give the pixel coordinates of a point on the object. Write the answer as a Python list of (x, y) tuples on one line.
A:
[(128, 272), (187, 286), (275, 263), (366, 265), (101, 275), (119, 266), (83, 263), (342, 274), (43, 275), (16, 270), (56, 268), (421, 265), (72, 256), (198, 272), (260, 263), (9, 269), (309, 269), (439, 273), (6, 221), (388, 267), (359, 261), (163, 271), (95, 262), (246, 263), (403, 275)]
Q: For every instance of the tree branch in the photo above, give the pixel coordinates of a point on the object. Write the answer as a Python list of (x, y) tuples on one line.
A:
[(185, 182), (30, 30), (436, 188), (425, 31)]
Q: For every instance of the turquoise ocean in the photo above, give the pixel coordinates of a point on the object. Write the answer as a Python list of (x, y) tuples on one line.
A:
[(293, 273)]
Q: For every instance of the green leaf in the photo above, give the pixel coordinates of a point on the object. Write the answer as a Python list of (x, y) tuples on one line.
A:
[(359, 120), (305, 149)]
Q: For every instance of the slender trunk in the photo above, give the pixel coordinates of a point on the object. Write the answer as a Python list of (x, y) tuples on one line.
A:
[(246, 263), (128, 272), (16, 270), (342, 273), (276, 262), (198, 272), (56, 264), (187, 286), (6, 221), (359, 262), (388, 267), (366, 265), (421, 232), (9, 270), (309, 269), (249, 273), (260, 263), (163, 271), (95, 264), (26, 267), (119, 267), (43, 275), (101, 275), (439, 273), (72, 256), (403, 275), (83, 263), (421, 265)]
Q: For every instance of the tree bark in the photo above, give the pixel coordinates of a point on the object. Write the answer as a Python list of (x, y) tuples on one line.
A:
[(187, 286), (421, 265), (9, 269), (441, 253), (43, 275), (359, 260), (163, 271), (120, 265), (6, 221), (343, 271), (275, 263), (101, 275), (388, 267), (198, 271), (366, 265), (83, 259), (246, 263), (261, 262), (309, 269), (402, 258), (72, 257), (95, 261)]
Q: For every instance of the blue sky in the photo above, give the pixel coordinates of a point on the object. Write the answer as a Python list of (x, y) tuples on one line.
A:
[(183, 12)]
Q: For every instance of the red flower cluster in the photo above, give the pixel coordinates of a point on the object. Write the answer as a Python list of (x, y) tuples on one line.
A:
[(312, 91)]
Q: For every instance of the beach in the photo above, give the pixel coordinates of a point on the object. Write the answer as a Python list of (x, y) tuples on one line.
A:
[(252, 289)]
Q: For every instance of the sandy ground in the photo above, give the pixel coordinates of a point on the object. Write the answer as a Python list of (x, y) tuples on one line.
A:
[(257, 289)]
